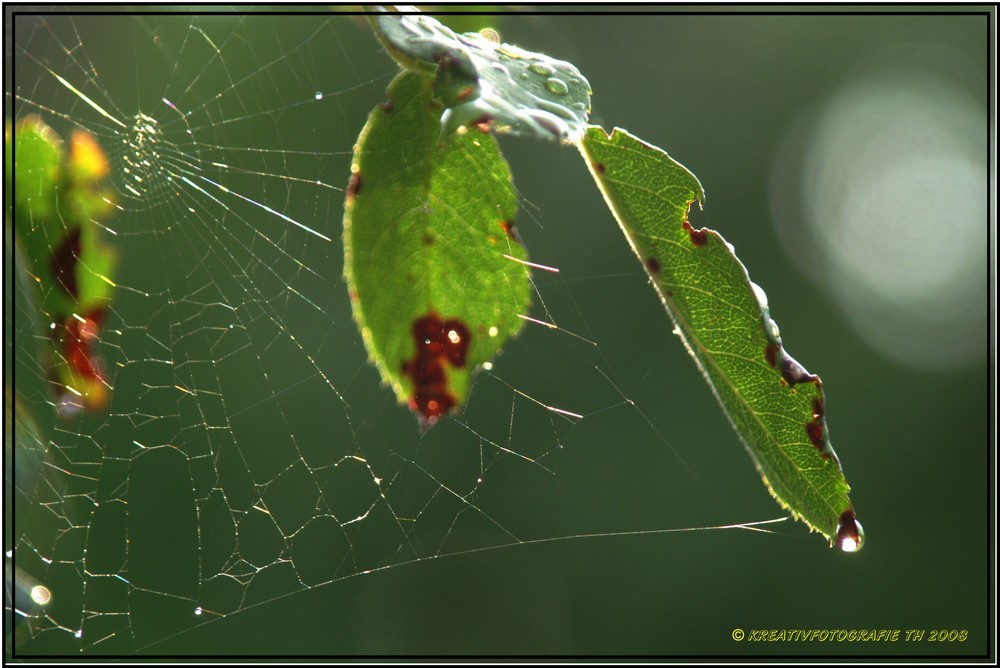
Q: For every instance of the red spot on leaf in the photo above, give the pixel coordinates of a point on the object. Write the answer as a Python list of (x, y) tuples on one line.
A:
[(354, 186), (464, 94), (698, 237), (76, 340), (65, 260), (387, 105), (438, 342), (653, 265), (483, 123)]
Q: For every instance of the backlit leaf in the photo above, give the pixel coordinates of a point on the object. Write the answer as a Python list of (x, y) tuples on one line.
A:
[(58, 199), (481, 81), (775, 405), (431, 257)]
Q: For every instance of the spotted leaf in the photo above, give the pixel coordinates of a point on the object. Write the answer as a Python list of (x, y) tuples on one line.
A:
[(434, 269), (58, 197), (776, 406)]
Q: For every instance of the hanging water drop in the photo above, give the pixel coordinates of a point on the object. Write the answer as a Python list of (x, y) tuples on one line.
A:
[(556, 86), (850, 535), (319, 95)]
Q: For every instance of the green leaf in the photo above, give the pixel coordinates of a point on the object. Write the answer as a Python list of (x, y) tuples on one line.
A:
[(433, 265), (58, 197), (775, 405), (481, 81)]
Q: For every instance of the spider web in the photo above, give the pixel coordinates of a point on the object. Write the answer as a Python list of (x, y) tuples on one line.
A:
[(248, 452)]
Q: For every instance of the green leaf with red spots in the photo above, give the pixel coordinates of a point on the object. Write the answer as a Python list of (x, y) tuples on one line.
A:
[(433, 265), (482, 81), (58, 197), (775, 405)]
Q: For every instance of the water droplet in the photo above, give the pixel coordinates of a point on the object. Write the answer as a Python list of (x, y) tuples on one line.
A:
[(197, 610), (542, 69), (319, 95), (490, 35), (556, 86), (41, 595), (78, 634), (759, 293), (488, 366), (775, 332), (850, 535)]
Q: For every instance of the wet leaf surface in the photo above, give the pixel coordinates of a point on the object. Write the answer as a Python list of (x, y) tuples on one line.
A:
[(482, 81)]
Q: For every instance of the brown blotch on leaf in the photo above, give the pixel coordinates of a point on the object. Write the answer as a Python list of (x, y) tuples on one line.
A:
[(508, 228), (438, 342), (818, 408), (354, 185), (428, 240), (698, 237), (387, 105), (599, 167), (65, 260), (814, 430), (794, 372), (653, 265), (771, 354)]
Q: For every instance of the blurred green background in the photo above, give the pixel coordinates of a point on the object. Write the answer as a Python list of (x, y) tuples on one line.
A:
[(844, 156)]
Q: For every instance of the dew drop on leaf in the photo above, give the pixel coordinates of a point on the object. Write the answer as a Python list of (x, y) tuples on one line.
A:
[(541, 69), (556, 86)]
